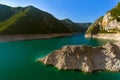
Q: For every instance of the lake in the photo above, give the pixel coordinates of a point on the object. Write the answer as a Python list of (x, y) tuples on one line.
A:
[(17, 60)]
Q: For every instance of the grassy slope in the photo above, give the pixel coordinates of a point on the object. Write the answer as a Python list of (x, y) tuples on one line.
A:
[(12, 20), (5, 12)]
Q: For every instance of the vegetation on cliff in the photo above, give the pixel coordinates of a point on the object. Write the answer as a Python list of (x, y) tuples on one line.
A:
[(110, 23), (115, 12), (95, 27)]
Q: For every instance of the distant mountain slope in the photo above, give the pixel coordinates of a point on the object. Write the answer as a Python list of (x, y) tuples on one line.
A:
[(75, 27), (5, 12), (110, 23), (28, 20)]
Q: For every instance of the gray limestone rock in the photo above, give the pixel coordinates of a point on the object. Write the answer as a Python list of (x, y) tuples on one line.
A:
[(85, 58)]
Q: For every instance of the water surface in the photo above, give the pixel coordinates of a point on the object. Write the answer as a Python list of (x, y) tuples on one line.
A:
[(17, 60)]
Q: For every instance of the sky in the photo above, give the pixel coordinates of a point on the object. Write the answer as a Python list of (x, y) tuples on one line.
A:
[(76, 10)]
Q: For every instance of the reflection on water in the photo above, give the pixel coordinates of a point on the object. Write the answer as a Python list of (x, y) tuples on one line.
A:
[(17, 60)]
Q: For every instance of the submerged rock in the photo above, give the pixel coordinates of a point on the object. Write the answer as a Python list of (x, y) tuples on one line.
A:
[(85, 58)]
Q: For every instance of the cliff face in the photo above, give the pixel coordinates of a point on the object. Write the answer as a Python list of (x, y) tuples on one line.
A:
[(110, 23), (85, 58)]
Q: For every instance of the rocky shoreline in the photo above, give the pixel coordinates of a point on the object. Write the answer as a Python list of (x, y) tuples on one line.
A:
[(105, 36), (85, 58), (5, 38)]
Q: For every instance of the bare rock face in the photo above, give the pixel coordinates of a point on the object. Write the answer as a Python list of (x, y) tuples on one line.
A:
[(85, 58), (109, 23)]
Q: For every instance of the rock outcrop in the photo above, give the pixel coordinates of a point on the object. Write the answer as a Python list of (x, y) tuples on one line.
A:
[(109, 23), (85, 58)]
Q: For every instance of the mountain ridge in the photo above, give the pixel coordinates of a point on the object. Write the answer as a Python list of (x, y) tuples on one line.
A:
[(29, 20), (76, 27), (32, 20)]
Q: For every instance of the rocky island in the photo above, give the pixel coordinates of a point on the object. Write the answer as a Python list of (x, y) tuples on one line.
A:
[(85, 58), (106, 27)]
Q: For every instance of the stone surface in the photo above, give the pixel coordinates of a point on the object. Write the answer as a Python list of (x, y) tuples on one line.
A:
[(108, 36), (85, 58), (109, 22)]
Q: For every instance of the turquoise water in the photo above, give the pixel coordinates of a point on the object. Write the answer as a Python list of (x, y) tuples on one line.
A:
[(17, 60)]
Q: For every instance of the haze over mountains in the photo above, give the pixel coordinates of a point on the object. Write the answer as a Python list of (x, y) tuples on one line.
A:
[(76, 27), (31, 20)]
